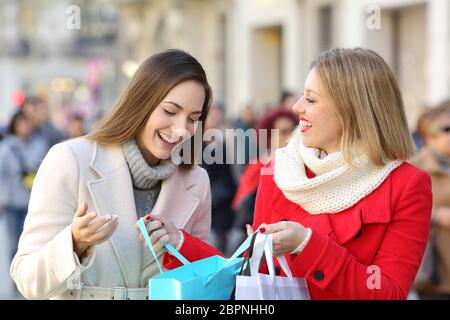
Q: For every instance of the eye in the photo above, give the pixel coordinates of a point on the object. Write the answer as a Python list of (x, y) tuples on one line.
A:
[(310, 100), (193, 120), (168, 112)]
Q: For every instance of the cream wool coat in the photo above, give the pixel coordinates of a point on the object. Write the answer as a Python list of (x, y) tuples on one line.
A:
[(78, 171)]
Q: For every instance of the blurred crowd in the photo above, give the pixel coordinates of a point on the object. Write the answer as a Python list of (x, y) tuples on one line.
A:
[(30, 134), (24, 143)]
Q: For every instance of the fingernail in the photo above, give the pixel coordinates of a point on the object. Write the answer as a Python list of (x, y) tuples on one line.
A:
[(262, 230), (162, 223), (148, 217)]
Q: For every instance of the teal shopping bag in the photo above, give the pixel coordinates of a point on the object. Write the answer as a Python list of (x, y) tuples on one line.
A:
[(212, 278)]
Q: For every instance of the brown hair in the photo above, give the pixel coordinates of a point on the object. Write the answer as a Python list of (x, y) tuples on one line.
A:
[(153, 80), (366, 97), (428, 119)]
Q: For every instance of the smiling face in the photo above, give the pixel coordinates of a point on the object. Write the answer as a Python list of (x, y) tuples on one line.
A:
[(171, 121), (319, 122)]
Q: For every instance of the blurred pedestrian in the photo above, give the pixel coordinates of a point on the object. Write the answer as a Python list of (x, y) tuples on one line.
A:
[(20, 156), (433, 280), (284, 122), (287, 100), (245, 121), (36, 109), (75, 126), (223, 185)]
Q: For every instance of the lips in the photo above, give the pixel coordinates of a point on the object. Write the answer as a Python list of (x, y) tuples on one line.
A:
[(167, 141), (305, 125)]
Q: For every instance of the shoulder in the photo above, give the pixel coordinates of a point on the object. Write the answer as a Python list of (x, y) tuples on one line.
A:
[(78, 146), (267, 173), (5, 143), (409, 181), (408, 172), (78, 150)]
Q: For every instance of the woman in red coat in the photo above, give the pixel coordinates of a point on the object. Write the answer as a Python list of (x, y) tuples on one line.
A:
[(343, 206)]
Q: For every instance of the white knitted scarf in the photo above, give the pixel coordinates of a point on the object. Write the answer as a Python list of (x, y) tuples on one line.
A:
[(336, 186)]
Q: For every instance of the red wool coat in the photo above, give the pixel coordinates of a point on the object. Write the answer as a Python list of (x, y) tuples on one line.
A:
[(372, 250)]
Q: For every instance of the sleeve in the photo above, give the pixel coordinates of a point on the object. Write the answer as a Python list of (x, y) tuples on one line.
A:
[(45, 264), (330, 266)]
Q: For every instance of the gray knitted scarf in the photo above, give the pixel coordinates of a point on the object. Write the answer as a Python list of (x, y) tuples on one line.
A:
[(144, 176)]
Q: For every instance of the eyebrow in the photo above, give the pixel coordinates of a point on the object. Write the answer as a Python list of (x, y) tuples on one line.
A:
[(180, 107), (312, 92)]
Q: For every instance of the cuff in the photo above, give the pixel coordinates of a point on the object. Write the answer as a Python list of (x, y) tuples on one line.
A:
[(64, 262), (180, 244), (86, 259), (303, 244), (192, 249)]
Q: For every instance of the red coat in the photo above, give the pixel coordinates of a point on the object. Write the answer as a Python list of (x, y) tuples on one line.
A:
[(383, 234)]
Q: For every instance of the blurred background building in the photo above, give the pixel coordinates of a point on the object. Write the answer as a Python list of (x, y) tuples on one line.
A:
[(251, 49), (79, 54)]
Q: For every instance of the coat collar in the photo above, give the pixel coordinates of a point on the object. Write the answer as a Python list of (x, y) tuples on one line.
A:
[(112, 193), (342, 226)]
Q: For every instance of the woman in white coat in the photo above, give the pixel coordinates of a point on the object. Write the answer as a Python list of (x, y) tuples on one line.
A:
[(79, 239)]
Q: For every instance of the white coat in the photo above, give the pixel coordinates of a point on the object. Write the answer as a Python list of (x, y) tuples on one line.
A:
[(78, 171)]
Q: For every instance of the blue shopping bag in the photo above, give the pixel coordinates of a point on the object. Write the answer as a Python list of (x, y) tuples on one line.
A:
[(212, 278)]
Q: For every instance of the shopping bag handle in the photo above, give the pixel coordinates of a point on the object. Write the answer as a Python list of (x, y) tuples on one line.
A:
[(244, 246), (168, 246), (263, 243)]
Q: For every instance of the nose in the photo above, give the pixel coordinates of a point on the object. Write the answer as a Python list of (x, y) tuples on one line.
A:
[(298, 106), (181, 127)]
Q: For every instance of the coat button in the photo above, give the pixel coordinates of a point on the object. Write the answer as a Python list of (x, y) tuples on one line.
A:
[(358, 234), (319, 276)]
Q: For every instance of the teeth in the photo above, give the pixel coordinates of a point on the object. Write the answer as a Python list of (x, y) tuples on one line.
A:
[(167, 138), (304, 123)]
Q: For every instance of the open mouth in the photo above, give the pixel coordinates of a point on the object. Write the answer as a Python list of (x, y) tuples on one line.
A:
[(304, 126), (167, 141)]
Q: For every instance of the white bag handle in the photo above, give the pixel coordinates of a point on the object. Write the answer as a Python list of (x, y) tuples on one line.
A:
[(263, 242)]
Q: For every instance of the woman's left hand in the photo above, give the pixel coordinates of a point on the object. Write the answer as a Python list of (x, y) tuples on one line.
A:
[(286, 236), (160, 232)]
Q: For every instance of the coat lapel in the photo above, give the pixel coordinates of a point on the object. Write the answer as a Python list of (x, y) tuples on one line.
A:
[(112, 194), (174, 205)]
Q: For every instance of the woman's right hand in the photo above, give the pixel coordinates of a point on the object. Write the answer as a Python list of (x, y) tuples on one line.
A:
[(89, 230)]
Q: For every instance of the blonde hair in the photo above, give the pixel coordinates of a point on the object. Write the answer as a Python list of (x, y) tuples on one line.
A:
[(153, 80), (367, 100)]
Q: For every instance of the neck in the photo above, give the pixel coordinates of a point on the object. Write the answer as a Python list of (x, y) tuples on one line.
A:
[(148, 157)]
